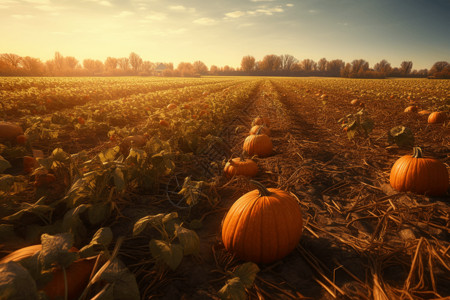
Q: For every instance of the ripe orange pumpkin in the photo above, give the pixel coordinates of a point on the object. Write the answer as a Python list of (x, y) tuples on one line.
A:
[(437, 117), (78, 273), (172, 106), (424, 112), (9, 131), (355, 102), (411, 109), (264, 129), (261, 121), (420, 175), (258, 144), (263, 225), (240, 166), (164, 123), (29, 164), (21, 139)]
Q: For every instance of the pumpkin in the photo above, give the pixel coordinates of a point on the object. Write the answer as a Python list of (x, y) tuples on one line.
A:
[(420, 175), (264, 129), (240, 166), (132, 140), (424, 112), (29, 164), (172, 106), (78, 273), (411, 109), (21, 139), (355, 102), (437, 117), (263, 225), (9, 131), (164, 123), (261, 121), (258, 144)]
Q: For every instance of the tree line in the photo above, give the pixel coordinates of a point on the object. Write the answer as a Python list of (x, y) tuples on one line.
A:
[(270, 65)]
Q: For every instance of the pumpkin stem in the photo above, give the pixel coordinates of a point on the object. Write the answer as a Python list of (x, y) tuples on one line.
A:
[(262, 189), (243, 155), (259, 129), (417, 152)]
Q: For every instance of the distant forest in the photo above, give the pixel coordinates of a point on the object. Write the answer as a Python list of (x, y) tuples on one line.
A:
[(270, 65)]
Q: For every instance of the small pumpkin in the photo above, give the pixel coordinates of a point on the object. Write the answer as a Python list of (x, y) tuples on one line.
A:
[(240, 166), (420, 175), (164, 123), (263, 225), (29, 164), (437, 117), (411, 109), (258, 144), (132, 140), (77, 273), (424, 112), (21, 139), (261, 121), (264, 129), (9, 131), (355, 102), (172, 106)]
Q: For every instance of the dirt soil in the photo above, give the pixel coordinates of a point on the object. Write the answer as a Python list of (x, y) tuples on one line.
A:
[(361, 239)]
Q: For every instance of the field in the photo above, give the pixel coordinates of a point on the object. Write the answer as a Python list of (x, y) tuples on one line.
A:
[(152, 208)]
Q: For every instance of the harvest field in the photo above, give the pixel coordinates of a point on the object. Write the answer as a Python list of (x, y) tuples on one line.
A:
[(150, 208)]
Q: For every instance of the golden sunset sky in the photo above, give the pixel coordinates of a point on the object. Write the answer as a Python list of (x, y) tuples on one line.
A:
[(221, 32)]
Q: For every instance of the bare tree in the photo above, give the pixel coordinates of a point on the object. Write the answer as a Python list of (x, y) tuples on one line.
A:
[(308, 65), (406, 67), (270, 63), (111, 63), (185, 69), (383, 66), (213, 70), (124, 63), (135, 62), (248, 63), (439, 66), (335, 66), (322, 64), (59, 62), (71, 63), (359, 65), (13, 60), (200, 67), (95, 67), (33, 66), (287, 61)]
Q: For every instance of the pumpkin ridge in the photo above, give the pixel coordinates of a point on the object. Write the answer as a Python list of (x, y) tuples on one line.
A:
[(249, 229)]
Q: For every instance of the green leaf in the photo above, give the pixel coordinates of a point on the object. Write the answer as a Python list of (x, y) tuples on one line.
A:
[(189, 240), (119, 179), (171, 254), (122, 280), (16, 282), (233, 290), (4, 164), (99, 212), (153, 220), (247, 273), (43, 211), (109, 154), (6, 182), (73, 224), (55, 249), (101, 240)]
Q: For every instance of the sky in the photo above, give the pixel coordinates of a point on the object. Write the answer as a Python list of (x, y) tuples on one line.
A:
[(219, 32)]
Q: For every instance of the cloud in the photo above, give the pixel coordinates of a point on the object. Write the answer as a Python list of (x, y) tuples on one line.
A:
[(313, 11), (262, 0), (289, 5), (99, 2), (124, 14), (266, 11), (154, 16), (22, 17), (205, 21), (235, 14), (182, 8), (38, 1)]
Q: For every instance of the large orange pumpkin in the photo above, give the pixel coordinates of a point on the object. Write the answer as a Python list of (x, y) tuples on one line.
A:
[(263, 225), (437, 117), (240, 166), (258, 144), (261, 121), (420, 175), (260, 128), (411, 109), (77, 273), (9, 131)]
